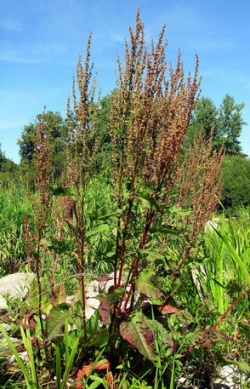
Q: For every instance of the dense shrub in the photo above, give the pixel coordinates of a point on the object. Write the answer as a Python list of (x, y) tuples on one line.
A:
[(236, 176)]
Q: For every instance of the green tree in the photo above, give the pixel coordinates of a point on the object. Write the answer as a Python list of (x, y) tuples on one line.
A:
[(6, 164), (225, 123), (236, 177), (204, 118), (2, 157), (55, 124), (103, 157), (8, 170), (230, 125)]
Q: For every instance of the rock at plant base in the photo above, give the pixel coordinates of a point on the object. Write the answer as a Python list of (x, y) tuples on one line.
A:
[(213, 225), (14, 285), (229, 377)]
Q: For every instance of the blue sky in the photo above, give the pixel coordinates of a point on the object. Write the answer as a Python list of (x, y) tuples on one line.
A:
[(40, 42)]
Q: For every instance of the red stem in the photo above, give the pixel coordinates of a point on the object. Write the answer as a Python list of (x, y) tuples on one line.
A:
[(228, 310)]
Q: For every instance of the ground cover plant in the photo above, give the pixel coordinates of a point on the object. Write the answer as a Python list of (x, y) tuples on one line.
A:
[(138, 225)]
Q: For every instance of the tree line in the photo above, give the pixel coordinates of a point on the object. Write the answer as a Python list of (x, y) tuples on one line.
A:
[(223, 124)]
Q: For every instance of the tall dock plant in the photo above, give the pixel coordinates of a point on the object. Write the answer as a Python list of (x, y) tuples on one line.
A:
[(36, 224), (149, 119), (81, 151), (150, 114), (150, 111)]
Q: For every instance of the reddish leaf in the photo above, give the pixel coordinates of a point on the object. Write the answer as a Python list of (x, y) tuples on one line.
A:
[(58, 295), (168, 309), (139, 335), (87, 369), (84, 371), (110, 379), (105, 308), (102, 365)]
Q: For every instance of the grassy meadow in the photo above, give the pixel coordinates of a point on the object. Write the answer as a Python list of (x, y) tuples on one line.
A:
[(206, 318)]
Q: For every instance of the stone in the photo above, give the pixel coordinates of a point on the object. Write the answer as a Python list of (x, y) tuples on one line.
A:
[(14, 285), (213, 224), (229, 377)]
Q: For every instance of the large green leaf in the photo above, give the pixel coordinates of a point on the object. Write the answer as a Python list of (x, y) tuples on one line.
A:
[(55, 322), (145, 284), (99, 338), (152, 255), (165, 230), (139, 335), (97, 230), (58, 246), (34, 299), (147, 202)]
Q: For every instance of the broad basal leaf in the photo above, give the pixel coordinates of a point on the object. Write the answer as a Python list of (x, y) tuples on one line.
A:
[(139, 335), (55, 322)]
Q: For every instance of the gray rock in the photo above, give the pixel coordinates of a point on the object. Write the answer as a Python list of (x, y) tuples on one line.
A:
[(14, 285), (229, 377)]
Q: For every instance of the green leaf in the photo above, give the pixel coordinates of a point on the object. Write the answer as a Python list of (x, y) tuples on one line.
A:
[(99, 339), (147, 202), (139, 335), (58, 246), (153, 254), (110, 214), (235, 257), (97, 382), (34, 298), (55, 322), (21, 365), (179, 211), (165, 230), (146, 285), (69, 364), (96, 230)]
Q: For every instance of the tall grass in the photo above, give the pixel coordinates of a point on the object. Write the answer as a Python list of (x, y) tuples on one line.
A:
[(228, 266), (14, 205)]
